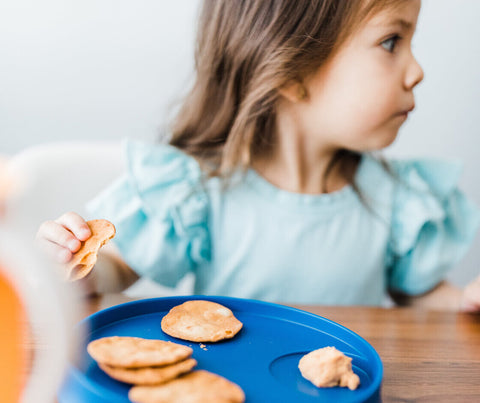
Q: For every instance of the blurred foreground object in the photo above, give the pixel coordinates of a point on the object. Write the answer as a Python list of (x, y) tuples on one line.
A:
[(14, 330), (35, 306), (7, 185)]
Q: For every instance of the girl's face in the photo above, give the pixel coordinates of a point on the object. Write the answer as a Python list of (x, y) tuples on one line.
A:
[(360, 98)]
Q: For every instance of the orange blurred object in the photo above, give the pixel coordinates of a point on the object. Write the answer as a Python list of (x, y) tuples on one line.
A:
[(12, 337)]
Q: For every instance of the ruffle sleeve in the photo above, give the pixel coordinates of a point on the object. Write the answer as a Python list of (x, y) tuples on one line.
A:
[(433, 224), (160, 211)]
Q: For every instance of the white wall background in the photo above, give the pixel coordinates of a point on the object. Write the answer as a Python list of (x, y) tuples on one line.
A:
[(108, 69), (91, 69)]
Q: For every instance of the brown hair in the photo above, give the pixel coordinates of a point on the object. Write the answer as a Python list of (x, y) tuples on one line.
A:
[(246, 51)]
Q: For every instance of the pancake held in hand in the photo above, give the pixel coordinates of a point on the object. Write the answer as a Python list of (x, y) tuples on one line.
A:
[(149, 375), (201, 321), (135, 352), (86, 257), (327, 367), (196, 387)]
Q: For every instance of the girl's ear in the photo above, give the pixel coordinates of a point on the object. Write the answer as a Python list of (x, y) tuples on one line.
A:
[(294, 92)]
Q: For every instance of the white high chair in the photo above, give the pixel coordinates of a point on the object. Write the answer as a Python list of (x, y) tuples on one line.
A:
[(59, 177)]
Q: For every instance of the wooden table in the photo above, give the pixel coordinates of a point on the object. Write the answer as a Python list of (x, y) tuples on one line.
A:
[(428, 356)]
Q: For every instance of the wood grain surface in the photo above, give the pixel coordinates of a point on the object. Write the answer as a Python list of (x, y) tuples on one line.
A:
[(428, 356)]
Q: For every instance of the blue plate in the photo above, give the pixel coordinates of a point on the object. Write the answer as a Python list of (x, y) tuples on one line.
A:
[(262, 358)]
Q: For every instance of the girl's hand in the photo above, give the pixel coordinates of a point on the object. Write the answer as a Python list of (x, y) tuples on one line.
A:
[(61, 238), (471, 297)]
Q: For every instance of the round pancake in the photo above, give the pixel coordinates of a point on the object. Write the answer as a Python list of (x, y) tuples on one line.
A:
[(149, 375), (85, 258), (195, 387), (135, 352), (201, 321)]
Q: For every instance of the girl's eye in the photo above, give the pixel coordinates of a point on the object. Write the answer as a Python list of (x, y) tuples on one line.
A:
[(390, 43)]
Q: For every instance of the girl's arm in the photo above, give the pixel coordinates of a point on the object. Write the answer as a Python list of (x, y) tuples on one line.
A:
[(110, 275), (445, 296)]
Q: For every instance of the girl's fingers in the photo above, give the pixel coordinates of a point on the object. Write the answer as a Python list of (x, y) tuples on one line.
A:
[(76, 224), (471, 297), (61, 238), (56, 252), (469, 306), (56, 233)]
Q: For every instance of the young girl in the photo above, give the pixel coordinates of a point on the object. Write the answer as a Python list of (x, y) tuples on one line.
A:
[(267, 189)]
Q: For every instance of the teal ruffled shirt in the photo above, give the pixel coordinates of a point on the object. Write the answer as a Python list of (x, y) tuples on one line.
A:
[(254, 240)]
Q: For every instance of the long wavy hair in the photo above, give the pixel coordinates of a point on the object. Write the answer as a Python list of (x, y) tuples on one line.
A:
[(246, 51)]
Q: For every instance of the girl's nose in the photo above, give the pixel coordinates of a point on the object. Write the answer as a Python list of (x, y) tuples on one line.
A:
[(414, 74)]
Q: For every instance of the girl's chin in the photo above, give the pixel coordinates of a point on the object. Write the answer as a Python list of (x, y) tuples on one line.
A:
[(386, 139), (374, 141)]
